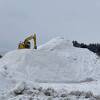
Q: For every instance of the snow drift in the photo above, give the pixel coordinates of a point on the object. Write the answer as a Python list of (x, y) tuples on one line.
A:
[(56, 61)]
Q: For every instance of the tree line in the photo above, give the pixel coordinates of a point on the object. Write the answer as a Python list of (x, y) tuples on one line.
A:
[(94, 47)]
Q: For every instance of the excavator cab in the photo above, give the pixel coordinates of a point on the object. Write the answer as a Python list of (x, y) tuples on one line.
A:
[(26, 44)]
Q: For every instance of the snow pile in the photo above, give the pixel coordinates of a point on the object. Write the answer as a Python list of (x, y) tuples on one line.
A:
[(56, 43), (55, 64), (57, 61), (23, 92)]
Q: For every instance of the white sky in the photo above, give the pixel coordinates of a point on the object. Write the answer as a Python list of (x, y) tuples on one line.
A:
[(73, 19)]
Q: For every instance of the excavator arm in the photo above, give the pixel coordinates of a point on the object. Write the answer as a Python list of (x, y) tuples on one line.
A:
[(34, 38), (28, 38)]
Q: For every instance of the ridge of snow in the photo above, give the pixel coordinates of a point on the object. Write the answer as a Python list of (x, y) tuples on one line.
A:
[(56, 43)]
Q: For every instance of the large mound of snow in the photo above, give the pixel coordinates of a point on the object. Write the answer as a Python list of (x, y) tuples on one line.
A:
[(56, 61), (56, 43)]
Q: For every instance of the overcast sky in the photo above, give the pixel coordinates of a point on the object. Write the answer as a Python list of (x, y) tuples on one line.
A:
[(73, 19)]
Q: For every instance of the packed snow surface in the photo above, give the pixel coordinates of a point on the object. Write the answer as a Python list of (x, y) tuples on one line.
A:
[(54, 62)]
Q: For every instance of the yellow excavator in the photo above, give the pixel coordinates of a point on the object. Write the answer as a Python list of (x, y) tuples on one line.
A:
[(26, 44)]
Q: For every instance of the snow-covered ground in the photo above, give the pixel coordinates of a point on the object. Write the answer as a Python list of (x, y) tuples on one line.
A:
[(3, 51), (55, 71)]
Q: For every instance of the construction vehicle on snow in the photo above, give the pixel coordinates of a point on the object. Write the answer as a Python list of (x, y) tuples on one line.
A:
[(26, 44)]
